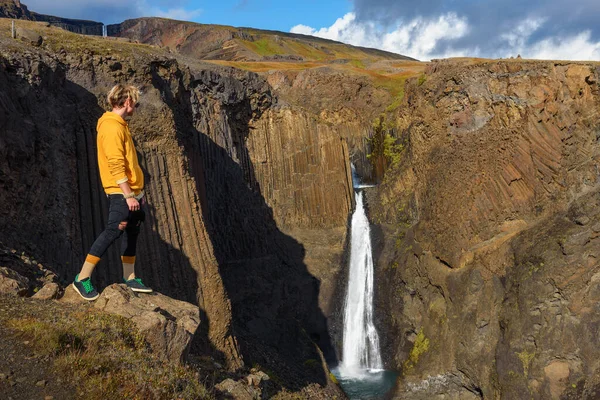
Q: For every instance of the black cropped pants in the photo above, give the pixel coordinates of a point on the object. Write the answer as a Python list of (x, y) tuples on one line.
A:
[(118, 212)]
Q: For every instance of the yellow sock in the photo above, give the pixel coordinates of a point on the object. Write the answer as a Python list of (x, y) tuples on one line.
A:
[(128, 267)]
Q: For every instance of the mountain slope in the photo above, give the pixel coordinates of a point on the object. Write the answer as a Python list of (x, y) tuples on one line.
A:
[(217, 42)]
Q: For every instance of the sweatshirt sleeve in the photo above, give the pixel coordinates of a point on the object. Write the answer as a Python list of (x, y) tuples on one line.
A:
[(113, 144)]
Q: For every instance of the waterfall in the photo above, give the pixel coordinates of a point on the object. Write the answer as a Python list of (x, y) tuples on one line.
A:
[(360, 341)]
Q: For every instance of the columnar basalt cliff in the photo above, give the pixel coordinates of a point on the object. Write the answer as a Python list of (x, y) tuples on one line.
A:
[(489, 233), (231, 176)]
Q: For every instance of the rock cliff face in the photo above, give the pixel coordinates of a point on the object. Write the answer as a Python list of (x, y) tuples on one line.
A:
[(488, 232), (231, 175)]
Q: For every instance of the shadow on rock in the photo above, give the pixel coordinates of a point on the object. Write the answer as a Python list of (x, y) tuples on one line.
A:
[(274, 299)]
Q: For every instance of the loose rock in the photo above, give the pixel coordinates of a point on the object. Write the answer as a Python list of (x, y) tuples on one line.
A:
[(48, 292), (12, 283), (29, 36), (167, 324)]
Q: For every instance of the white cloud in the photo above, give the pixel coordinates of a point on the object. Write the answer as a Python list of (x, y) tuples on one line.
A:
[(426, 39), (344, 29), (518, 37), (577, 47), (417, 38)]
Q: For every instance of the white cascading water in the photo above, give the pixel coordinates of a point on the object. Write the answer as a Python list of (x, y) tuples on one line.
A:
[(360, 342)]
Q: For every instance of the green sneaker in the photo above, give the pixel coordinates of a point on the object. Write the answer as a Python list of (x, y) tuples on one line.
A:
[(85, 288), (137, 286)]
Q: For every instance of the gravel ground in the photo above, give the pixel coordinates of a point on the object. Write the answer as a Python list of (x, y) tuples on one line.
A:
[(25, 375)]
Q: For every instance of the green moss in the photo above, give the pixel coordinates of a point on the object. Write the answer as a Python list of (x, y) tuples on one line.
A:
[(312, 363), (399, 240), (357, 64), (333, 378), (526, 358), (385, 148), (420, 347), (397, 101), (264, 47), (422, 79)]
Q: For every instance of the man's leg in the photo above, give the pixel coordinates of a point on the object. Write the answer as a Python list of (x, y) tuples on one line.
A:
[(129, 243), (116, 225), (129, 249)]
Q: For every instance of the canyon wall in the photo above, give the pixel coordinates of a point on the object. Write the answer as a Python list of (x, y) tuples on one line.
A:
[(231, 177), (488, 232)]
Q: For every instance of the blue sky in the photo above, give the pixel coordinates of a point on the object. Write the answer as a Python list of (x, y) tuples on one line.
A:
[(265, 14), (424, 29)]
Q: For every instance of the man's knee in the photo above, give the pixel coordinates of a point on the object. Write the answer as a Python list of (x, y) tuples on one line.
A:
[(122, 225)]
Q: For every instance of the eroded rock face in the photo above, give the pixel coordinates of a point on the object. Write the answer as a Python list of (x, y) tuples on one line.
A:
[(489, 249), (167, 324), (229, 184)]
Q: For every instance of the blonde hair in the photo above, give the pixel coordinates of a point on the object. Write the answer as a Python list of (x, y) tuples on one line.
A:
[(119, 94)]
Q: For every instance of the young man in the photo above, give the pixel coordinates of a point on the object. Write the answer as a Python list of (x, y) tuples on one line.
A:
[(123, 182)]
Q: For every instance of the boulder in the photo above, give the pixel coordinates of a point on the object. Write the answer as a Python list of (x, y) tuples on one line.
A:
[(236, 390), (71, 296), (12, 283), (255, 379), (29, 36), (48, 292), (167, 324)]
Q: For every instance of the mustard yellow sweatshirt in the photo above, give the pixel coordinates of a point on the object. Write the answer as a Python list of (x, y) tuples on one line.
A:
[(117, 159)]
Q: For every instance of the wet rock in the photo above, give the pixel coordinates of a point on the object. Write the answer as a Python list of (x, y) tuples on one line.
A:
[(48, 292), (12, 283), (168, 324)]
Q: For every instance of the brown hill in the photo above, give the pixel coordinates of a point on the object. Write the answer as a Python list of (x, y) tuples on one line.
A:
[(217, 42)]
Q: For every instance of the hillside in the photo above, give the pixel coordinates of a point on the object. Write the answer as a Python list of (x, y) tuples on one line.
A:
[(14, 9), (217, 42)]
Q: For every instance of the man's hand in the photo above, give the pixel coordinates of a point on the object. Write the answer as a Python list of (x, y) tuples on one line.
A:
[(133, 204)]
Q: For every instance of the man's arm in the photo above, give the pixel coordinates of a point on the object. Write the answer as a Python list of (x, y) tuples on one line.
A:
[(132, 202)]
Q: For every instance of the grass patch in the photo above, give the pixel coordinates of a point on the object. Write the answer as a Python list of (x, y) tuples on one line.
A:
[(357, 64), (265, 66), (307, 51), (108, 355), (264, 47)]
